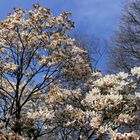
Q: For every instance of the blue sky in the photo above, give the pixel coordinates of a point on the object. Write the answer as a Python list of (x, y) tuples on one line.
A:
[(91, 17)]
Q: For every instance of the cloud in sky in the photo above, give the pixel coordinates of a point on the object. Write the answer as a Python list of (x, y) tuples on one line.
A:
[(98, 17)]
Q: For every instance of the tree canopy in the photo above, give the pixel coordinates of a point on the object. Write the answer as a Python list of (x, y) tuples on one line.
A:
[(49, 91)]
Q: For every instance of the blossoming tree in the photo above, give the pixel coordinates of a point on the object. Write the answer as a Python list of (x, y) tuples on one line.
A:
[(106, 107), (47, 89), (35, 53)]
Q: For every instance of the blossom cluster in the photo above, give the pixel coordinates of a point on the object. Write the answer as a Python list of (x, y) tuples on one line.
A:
[(109, 109)]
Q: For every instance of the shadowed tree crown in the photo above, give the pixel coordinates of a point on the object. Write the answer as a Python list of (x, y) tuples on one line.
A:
[(125, 51)]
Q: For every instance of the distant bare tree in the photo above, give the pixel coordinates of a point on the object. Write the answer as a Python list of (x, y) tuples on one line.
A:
[(95, 47), (125, 51)]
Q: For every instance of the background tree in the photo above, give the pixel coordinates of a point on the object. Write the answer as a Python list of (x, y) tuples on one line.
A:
[(95, 47), (125, 50)]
